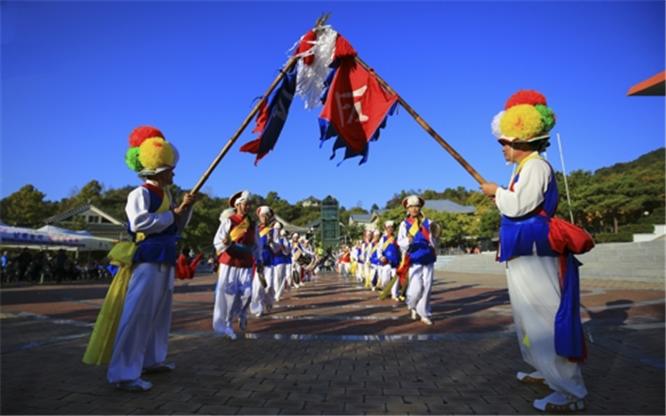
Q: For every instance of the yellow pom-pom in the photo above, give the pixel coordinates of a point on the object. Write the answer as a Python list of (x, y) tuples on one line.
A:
[(155, 153), (522, 121)]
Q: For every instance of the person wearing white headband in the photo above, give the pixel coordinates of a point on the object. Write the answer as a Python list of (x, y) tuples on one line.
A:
[(358, 264), (389, 258), (373, 276), (550, 342), (366, 252), (282, 262), (344, 261), (263, 286), (416, 242), (239, 249)]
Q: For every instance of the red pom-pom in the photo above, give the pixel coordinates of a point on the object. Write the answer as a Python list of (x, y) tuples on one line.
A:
[(141, 133), (525, 97)]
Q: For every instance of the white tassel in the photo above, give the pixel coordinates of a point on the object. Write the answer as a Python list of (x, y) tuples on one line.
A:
[(310, 78)]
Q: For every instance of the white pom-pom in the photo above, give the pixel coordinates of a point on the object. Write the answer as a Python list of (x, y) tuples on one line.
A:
[(310, 78), (495, 125)]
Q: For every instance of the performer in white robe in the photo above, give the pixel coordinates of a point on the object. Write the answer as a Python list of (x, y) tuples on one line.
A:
[(281, 260), (416, 242), (263, 285), (389, 257), (239, 252), (155, 224), (531, 266)]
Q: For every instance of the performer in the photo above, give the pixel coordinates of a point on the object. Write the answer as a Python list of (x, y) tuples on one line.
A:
[(263, 292), (296, 267), (532, 270), (345, 261), (155, 224), (374, 260), (389, 258), (281, 260), (366, 252), (358, 261), (416, 242), (239, 250)]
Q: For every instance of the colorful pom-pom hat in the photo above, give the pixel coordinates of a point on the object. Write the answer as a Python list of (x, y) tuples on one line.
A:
[(526, 118), (149, 153)]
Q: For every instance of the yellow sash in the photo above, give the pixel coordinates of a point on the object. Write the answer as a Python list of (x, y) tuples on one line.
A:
[(388, 242), (264, 231), (416, 226), (239, 231), (100, 344)]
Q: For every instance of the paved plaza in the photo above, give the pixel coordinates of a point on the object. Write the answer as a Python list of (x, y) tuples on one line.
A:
[(332, 348)]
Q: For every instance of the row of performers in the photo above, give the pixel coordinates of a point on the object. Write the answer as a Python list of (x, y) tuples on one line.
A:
[(257, 262), (402, 266)]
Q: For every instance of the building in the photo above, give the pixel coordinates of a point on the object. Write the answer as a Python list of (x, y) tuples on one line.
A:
[(97, 222), (445, 205)]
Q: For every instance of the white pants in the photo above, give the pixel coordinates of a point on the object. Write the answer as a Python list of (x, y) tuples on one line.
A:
[(360, 272), (262, 297), (143, 332), (279, 278), (232, 295), (418, 290), (534, 291), (386, 273), (344, 269)]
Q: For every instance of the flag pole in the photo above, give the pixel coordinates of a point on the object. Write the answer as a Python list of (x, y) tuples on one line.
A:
[(290, 63), (426, 126)]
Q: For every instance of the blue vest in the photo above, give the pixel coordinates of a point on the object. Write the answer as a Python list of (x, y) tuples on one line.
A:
[(159, 247), (420, 251), (519, 236), (392, 252), (267, 256), (281, 258)]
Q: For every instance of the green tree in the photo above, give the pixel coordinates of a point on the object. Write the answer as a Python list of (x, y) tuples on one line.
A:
[(26, 208)]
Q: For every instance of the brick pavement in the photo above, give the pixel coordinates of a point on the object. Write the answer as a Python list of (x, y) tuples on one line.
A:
[(331, 348)]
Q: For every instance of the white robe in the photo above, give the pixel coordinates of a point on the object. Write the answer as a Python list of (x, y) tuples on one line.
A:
[(534, 290), (143, 331), (421, 277), (234, 284)]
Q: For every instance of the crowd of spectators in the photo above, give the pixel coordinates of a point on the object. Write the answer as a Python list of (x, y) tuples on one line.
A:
[(40, 266)]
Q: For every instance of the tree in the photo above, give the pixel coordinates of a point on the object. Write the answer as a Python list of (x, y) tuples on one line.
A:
[(26, 208)]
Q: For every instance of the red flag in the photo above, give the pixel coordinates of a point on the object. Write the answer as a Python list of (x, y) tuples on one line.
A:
[(355, 106)]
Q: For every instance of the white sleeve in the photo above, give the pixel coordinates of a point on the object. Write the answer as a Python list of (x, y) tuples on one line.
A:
[(221, 235), (403, 240), (184, 218), (140, 220), (528, 192)]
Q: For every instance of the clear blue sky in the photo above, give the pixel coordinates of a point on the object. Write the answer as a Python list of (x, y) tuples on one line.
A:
[(78, 76)]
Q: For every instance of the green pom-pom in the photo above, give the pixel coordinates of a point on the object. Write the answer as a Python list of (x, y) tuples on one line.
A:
[(547, 117), (132, 159)]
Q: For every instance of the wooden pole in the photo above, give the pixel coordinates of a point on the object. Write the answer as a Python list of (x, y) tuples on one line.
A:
[(287, 67), (426, 126)]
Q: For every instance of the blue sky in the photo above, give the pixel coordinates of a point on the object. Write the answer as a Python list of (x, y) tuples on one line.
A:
[(78, 76)]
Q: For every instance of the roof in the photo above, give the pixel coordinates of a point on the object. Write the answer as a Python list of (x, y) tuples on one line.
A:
[(361, 217), (445, 205), (80, 210), (290, 227), (651, 86)]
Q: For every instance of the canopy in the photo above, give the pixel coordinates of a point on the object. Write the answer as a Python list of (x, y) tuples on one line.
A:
[(50, 237), (86, 241), (19, 236)]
